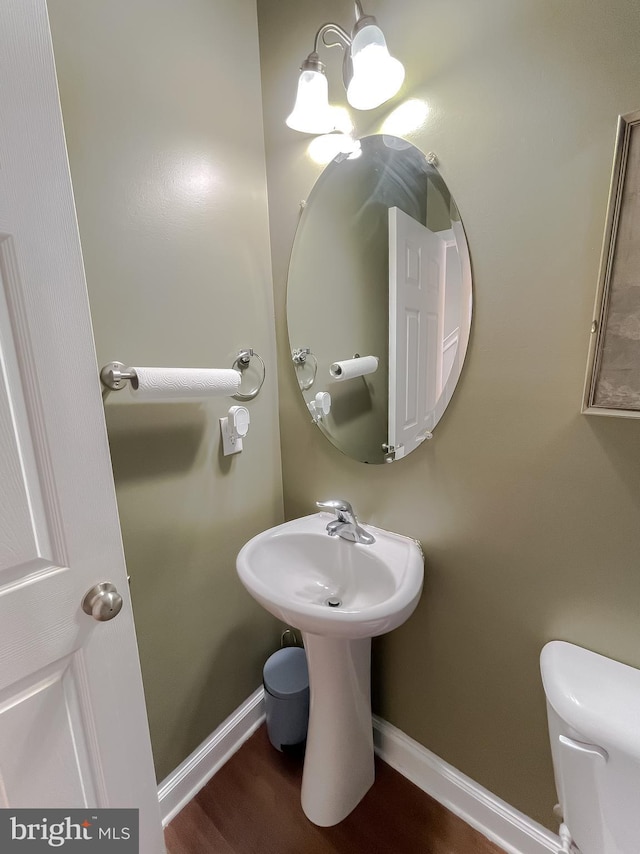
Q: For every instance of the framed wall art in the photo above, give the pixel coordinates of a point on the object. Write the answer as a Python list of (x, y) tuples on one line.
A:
[(613, 373)]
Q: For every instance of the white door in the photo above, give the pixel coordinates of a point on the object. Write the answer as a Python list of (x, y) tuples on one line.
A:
[(73, 727), (417, 265)]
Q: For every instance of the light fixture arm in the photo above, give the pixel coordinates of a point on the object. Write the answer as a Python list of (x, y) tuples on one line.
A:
[(343, 36), (343, 40)]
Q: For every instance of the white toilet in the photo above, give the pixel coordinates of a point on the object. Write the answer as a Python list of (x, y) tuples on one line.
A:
[(593, 707)]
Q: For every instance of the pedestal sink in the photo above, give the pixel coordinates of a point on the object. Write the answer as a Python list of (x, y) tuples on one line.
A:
[(339, 594)]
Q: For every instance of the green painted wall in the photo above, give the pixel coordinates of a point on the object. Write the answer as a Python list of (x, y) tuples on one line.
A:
[(528, 511), (167, 160)]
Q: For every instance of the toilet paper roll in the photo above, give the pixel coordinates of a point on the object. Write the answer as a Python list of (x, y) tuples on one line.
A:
[(350, 368), (166, 384)]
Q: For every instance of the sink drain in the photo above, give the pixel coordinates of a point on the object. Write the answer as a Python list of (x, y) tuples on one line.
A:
[(333, 601)]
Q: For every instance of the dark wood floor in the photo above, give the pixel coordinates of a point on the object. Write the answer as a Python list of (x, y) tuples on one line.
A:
[(252, 806)]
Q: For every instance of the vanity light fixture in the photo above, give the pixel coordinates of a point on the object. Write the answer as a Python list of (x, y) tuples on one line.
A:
[(370, 74)]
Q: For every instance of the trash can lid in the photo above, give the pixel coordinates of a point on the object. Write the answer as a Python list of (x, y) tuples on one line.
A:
[(285, 672)]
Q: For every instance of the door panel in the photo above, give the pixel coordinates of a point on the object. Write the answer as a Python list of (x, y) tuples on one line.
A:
[(42, 737), (24, 537), (73, 727)]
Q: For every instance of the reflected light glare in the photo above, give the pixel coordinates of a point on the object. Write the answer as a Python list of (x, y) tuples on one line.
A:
[(406, 118), (195, 179), (324, 148), (342, 120)]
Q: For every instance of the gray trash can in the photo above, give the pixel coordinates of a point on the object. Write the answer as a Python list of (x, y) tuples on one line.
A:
[(286, 696)]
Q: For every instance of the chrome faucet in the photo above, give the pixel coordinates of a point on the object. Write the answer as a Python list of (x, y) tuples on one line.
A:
[(346, 525)]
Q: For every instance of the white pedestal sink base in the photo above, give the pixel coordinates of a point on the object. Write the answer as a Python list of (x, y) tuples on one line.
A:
[(293, 570), (338, 765)]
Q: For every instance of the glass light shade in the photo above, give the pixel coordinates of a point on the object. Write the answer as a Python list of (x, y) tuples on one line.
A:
[(377, 76), (312, 113)]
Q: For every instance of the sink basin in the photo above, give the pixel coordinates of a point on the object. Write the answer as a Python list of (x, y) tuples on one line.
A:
[(340, 594), (330, 586)]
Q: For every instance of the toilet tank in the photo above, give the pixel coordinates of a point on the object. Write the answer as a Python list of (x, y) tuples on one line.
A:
[(593, 708)]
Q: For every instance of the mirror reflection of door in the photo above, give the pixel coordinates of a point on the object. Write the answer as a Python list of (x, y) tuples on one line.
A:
[(417, 275)]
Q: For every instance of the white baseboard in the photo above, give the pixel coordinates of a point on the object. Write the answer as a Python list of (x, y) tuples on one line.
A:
[(185, 782), (510, 829)]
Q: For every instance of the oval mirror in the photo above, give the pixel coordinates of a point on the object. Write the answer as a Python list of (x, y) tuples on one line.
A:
[(379, 300)]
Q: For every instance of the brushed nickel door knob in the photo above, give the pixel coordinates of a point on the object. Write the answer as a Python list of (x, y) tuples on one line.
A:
[(102, 602)]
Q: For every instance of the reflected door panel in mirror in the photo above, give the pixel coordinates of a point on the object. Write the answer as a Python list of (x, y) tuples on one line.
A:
[(380, 268)]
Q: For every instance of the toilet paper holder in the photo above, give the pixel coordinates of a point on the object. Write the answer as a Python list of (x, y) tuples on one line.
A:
[(115, 375), (241, 363)]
